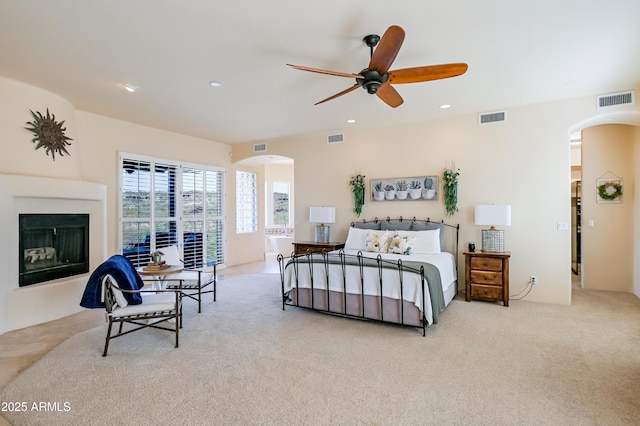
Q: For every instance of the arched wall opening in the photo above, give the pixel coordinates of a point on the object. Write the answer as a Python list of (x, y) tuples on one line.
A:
[(276, 201), (609, 231)]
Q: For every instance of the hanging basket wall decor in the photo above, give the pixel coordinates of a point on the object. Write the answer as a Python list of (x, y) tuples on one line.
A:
[(49, 134), (450, 189), (357, 184)]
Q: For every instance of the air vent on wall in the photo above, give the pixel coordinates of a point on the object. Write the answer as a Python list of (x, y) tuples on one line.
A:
[(492, 117), (337, 138), (615, 99), (261, 147)]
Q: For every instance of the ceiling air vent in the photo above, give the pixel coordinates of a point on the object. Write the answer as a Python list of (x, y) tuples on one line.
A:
[(337, 138), (492, 117), (261, 147), (615, 99)]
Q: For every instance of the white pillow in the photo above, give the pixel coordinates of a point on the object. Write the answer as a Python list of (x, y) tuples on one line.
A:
[(356, 239), (170, 255), (117, 293), (427, 242)]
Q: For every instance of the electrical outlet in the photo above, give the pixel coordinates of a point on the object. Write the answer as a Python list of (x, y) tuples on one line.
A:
[(534, 279)]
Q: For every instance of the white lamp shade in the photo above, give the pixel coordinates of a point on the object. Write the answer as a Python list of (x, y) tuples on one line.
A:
[(322, 214), (493, 214)]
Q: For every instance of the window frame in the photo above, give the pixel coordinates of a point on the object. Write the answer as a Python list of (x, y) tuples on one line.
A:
[(176, 217)]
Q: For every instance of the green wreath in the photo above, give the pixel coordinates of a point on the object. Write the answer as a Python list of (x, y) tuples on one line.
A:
[(610, 191)]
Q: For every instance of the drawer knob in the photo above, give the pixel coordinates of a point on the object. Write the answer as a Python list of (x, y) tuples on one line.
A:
[(485, 263), (486, 291), (486, 277)]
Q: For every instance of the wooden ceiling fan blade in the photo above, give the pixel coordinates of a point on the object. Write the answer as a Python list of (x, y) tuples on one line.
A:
[(427, 73), (320, 71), (344, 92), (387, 49), (389, 95)]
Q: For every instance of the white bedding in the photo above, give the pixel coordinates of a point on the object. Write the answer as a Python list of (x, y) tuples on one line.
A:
[(412, 285)]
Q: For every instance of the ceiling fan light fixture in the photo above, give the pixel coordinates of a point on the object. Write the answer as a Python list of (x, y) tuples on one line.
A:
[(131, 87), (372, 86), (351, 121)]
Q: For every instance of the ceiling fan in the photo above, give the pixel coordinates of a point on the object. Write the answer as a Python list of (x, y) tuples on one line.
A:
[(377, 79)]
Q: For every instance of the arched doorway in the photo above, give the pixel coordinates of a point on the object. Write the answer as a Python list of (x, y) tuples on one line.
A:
[(276, 196), (609, 236)]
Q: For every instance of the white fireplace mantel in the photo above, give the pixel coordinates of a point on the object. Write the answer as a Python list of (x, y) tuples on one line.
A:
[(25, 306)]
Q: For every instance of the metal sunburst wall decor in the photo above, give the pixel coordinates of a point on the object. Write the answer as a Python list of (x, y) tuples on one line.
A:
[(49, 134)]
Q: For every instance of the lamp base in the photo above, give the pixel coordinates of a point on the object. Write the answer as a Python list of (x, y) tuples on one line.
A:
[(322, 234), (493, 240)]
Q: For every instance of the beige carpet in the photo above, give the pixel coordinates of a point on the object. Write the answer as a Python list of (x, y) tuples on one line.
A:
[(243, 361)]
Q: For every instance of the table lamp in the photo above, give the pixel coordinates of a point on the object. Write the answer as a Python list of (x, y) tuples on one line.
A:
[(322, 215), (492, 215)]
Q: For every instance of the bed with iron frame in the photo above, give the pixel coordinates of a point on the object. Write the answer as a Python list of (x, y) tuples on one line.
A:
[(378, 287)]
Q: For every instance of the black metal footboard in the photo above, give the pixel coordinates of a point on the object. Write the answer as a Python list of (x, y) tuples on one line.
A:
[(347, 298)]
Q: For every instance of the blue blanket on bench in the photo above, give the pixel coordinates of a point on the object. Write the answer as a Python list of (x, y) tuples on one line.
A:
[(125, 274)]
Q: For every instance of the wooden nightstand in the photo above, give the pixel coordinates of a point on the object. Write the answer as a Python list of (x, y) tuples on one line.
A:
[(487, 276), (303, 246)]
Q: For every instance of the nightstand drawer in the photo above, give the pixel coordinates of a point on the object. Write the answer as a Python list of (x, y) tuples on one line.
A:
[(486, 277), (486, 292), (486, 263)]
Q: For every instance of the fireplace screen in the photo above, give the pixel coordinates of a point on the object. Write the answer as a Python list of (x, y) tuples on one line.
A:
[(52, 246)]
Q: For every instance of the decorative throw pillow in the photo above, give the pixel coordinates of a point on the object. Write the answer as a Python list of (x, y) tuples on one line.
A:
[(427, 242), (377, 242), (401, 244)]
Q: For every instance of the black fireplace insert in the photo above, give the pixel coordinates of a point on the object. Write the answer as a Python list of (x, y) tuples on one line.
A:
[(52, 246)]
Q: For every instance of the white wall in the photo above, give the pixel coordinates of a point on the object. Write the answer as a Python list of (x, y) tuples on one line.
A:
[(19, 152), (636, 208), (608, 245)]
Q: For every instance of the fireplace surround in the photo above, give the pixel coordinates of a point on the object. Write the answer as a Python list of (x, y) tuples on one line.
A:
[(23, 306)]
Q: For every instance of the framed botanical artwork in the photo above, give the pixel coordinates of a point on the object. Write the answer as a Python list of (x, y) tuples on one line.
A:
[(405, 189), (609, 190)]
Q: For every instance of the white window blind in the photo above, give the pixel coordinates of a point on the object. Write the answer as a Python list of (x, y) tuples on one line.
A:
[(182, 205)]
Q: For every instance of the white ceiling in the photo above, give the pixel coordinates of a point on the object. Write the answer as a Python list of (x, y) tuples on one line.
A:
[(519, 52)]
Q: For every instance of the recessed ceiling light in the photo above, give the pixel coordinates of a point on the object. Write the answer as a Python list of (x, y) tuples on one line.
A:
[(215, 83), (131, 87), (445, 106), (351, 120)]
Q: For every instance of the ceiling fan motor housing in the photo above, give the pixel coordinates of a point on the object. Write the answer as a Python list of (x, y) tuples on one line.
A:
[(372, 80)]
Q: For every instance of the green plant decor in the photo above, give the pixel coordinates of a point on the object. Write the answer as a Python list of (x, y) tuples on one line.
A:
[(357, 187), (450, 183)]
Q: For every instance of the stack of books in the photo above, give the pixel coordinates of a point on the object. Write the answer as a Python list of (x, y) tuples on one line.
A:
[(153, 266)]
